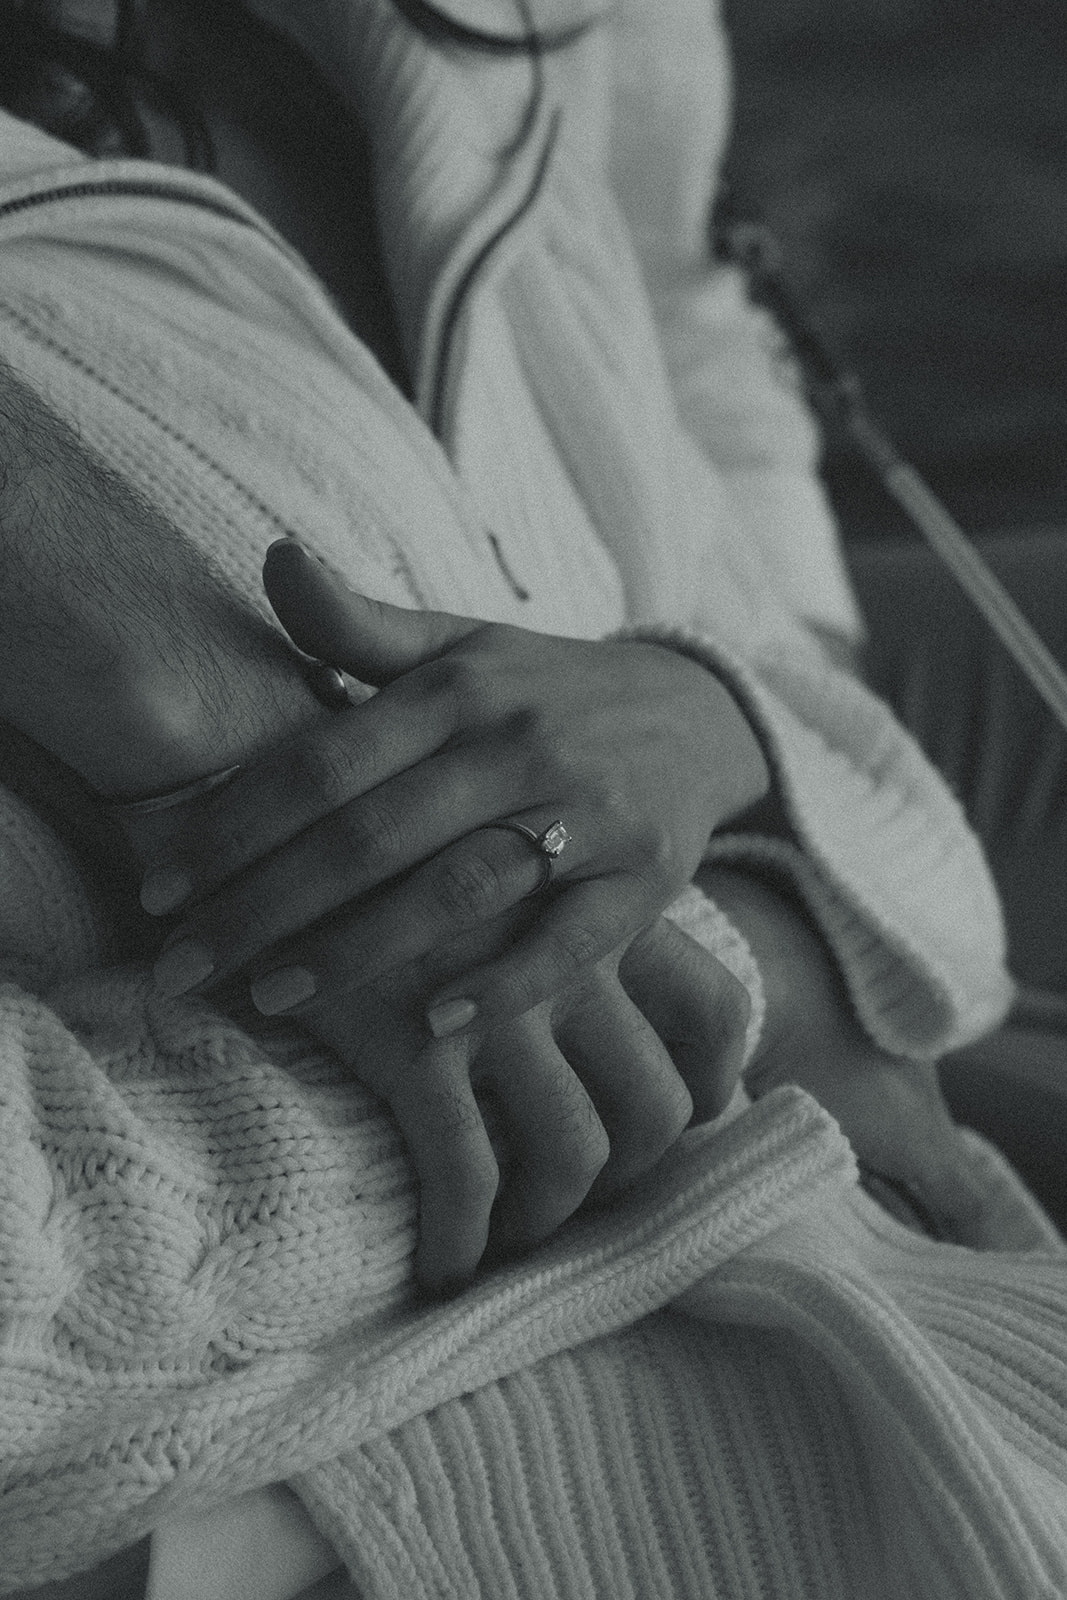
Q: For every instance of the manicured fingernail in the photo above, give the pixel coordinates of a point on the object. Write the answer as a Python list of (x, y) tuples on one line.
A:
[(450, 1016), (164, 890), (280, 990), (182, 967)]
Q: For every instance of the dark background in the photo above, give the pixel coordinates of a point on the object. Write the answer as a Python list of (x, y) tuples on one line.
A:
[(912, 157)]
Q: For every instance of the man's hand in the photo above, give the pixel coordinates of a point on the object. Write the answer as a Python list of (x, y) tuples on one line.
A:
[(122, 651)]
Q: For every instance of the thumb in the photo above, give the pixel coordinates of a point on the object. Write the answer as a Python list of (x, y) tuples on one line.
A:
[(371, 639)]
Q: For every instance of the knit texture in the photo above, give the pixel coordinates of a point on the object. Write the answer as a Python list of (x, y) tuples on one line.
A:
[(827, 859), (205, 1275), (205, 1265), (186, 1215), (205, 1237), (206, 1286), (797, 1432)]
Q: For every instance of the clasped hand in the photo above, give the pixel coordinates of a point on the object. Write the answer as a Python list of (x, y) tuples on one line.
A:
[(354, 876)]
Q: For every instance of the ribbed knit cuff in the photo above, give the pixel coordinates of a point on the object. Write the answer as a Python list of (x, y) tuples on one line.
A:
[(698, 916), (880, 852), (784, 857)]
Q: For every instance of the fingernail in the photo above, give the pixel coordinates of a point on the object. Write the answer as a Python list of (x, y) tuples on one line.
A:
[(164, 890), (450, 1016), (278, 991), (181, 968)]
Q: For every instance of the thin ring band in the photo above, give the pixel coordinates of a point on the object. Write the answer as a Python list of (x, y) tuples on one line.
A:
[(324, 681), (548, 845)]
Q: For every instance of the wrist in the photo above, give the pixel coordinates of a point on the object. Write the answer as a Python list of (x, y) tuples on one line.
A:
[(123, 651), (271, 717), (166, 732), (739, 769), (757, 801)]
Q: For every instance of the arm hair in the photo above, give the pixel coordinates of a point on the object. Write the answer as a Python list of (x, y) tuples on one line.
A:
[(122, 651)]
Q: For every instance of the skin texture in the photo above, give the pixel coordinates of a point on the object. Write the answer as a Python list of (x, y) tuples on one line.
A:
[(512, 1127)]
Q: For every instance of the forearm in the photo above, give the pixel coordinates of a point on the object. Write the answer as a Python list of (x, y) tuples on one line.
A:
[(121, 651)]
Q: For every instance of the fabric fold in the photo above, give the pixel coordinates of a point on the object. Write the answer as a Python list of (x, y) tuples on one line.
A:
[(205, 1265)]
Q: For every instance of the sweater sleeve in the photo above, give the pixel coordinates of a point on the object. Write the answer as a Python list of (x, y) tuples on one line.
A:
[(734, 384), (879, 850), (185, 1213)]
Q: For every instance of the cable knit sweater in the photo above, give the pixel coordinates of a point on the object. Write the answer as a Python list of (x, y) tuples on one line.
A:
[(745, 1380)]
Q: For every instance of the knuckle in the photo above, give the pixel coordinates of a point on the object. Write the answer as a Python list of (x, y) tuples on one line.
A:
[(671, 1114), (467, 888), (646, 1136), (461, 680), (577, 945), (324, 769), (734, 1007), (370, 833), (472, 1181), (571, 1164), (657, 856), (616, 803), (626, 809), (552, 762), (527, 728), (593, 1152)]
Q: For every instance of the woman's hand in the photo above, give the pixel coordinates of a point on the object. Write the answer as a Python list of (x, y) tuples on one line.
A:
[(639, 751), (511, 1128)]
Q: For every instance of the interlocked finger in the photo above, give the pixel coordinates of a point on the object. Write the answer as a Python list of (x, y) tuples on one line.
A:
[(442, 1126), (699, 1010), (639, 1095), (555, 1143)]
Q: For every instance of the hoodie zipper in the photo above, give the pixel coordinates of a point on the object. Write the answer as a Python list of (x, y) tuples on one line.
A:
[(140, 188)]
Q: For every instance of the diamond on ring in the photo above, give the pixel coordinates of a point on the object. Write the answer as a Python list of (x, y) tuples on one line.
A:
[(548, 845), (554, 840)]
